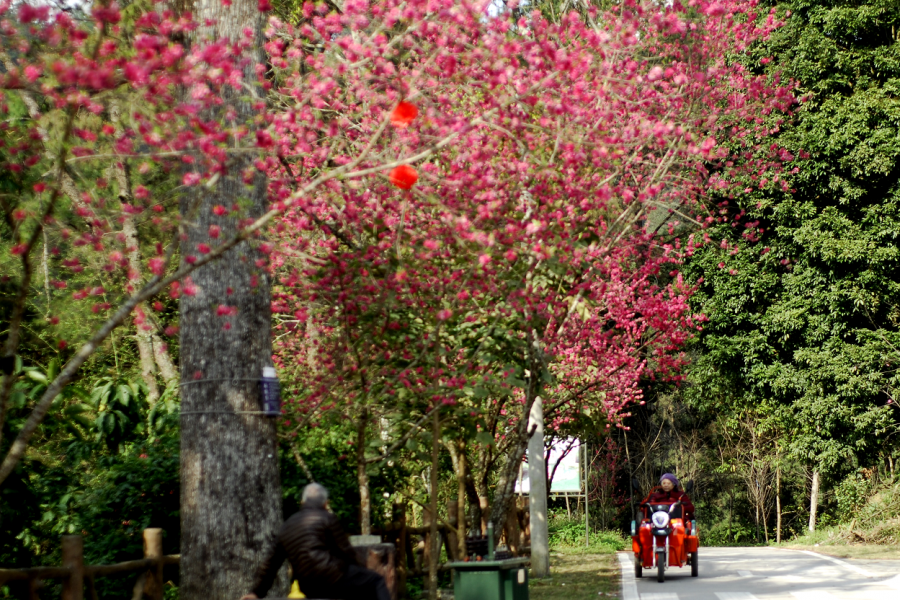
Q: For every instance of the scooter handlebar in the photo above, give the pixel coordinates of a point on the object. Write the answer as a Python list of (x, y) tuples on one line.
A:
[(652, 504)]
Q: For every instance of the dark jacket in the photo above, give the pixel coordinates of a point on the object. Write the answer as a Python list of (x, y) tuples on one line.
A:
[(316, 546), (660, 497)]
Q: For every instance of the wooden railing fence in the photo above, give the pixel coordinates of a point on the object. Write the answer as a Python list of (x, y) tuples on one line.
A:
[(412, 557), (414, 546), (76, 575)]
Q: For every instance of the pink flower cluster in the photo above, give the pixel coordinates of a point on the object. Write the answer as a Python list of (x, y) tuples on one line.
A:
[(554, 169)]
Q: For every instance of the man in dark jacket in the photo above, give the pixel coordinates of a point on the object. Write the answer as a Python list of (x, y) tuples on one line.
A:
[(322, 559)]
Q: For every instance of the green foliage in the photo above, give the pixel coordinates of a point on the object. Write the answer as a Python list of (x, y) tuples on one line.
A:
[(120, 409), (568, 532), (853, 492), (721, 533), (803, 324), (107, 466), (129, 492)]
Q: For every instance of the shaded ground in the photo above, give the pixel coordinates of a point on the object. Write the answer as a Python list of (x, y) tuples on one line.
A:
[(578, 575)]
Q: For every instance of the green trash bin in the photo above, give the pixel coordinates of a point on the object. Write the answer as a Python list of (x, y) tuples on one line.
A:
[(491, 580)]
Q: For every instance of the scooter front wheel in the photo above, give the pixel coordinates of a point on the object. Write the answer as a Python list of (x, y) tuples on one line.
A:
[(695, 569), (660, 566), (638, 567)]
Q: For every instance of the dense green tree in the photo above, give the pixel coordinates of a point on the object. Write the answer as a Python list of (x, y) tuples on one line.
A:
[(803, 293)]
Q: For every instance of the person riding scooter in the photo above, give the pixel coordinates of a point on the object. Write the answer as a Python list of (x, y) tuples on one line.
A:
[(667, 493)]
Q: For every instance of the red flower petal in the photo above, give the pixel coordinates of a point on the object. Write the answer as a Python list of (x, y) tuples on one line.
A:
[(404, 177), (403, 114)]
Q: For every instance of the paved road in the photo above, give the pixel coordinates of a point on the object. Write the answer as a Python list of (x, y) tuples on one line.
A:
[(765, 574)]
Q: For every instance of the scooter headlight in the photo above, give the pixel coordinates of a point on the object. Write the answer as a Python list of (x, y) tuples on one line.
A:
[(660, 519)]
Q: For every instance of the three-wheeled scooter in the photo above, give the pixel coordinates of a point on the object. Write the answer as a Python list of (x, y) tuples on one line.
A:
[(662, 540)]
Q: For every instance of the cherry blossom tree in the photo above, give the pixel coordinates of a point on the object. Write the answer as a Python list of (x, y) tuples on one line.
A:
[(537, 183), (469, 208)]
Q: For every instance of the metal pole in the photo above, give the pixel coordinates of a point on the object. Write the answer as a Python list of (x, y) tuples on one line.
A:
[(537, 494), (587, 529)]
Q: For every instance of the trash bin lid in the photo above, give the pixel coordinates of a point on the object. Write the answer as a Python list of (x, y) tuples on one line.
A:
[(489, 565)]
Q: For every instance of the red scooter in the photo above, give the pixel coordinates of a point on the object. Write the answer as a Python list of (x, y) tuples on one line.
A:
[(662, 540)]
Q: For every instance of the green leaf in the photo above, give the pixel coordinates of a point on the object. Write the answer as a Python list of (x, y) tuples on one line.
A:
[(36, 375), (484, 438)]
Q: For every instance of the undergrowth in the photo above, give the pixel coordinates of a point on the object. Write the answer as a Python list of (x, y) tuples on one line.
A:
[(568, 535), (875, 519)]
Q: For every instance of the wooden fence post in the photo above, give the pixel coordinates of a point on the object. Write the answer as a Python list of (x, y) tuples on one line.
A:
[(73, 559), (399, 525), (153, 584), (33, 584), (426, 538)]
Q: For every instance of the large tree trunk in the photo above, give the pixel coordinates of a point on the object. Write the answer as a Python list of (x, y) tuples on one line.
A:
[(230, 488)]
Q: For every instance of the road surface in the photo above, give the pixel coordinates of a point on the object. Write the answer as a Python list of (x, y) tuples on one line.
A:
[(765, 574)]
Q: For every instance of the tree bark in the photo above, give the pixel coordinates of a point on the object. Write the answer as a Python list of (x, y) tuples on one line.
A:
[(457, 449), (45, 267), (506, 484), (132, 250), (362, 478), (461, 475), (778, 502), (814, 500), (230, 488), (167, 369), (435, 541)]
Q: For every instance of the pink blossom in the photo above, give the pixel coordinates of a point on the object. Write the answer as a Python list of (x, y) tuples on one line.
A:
[(28, 13), (156, 265), (32, 72)]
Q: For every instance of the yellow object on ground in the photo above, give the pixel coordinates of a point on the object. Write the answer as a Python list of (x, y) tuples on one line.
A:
[(295, 591)]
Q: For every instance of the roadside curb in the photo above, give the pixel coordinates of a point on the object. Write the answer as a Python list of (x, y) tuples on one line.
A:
[(629, 584)]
